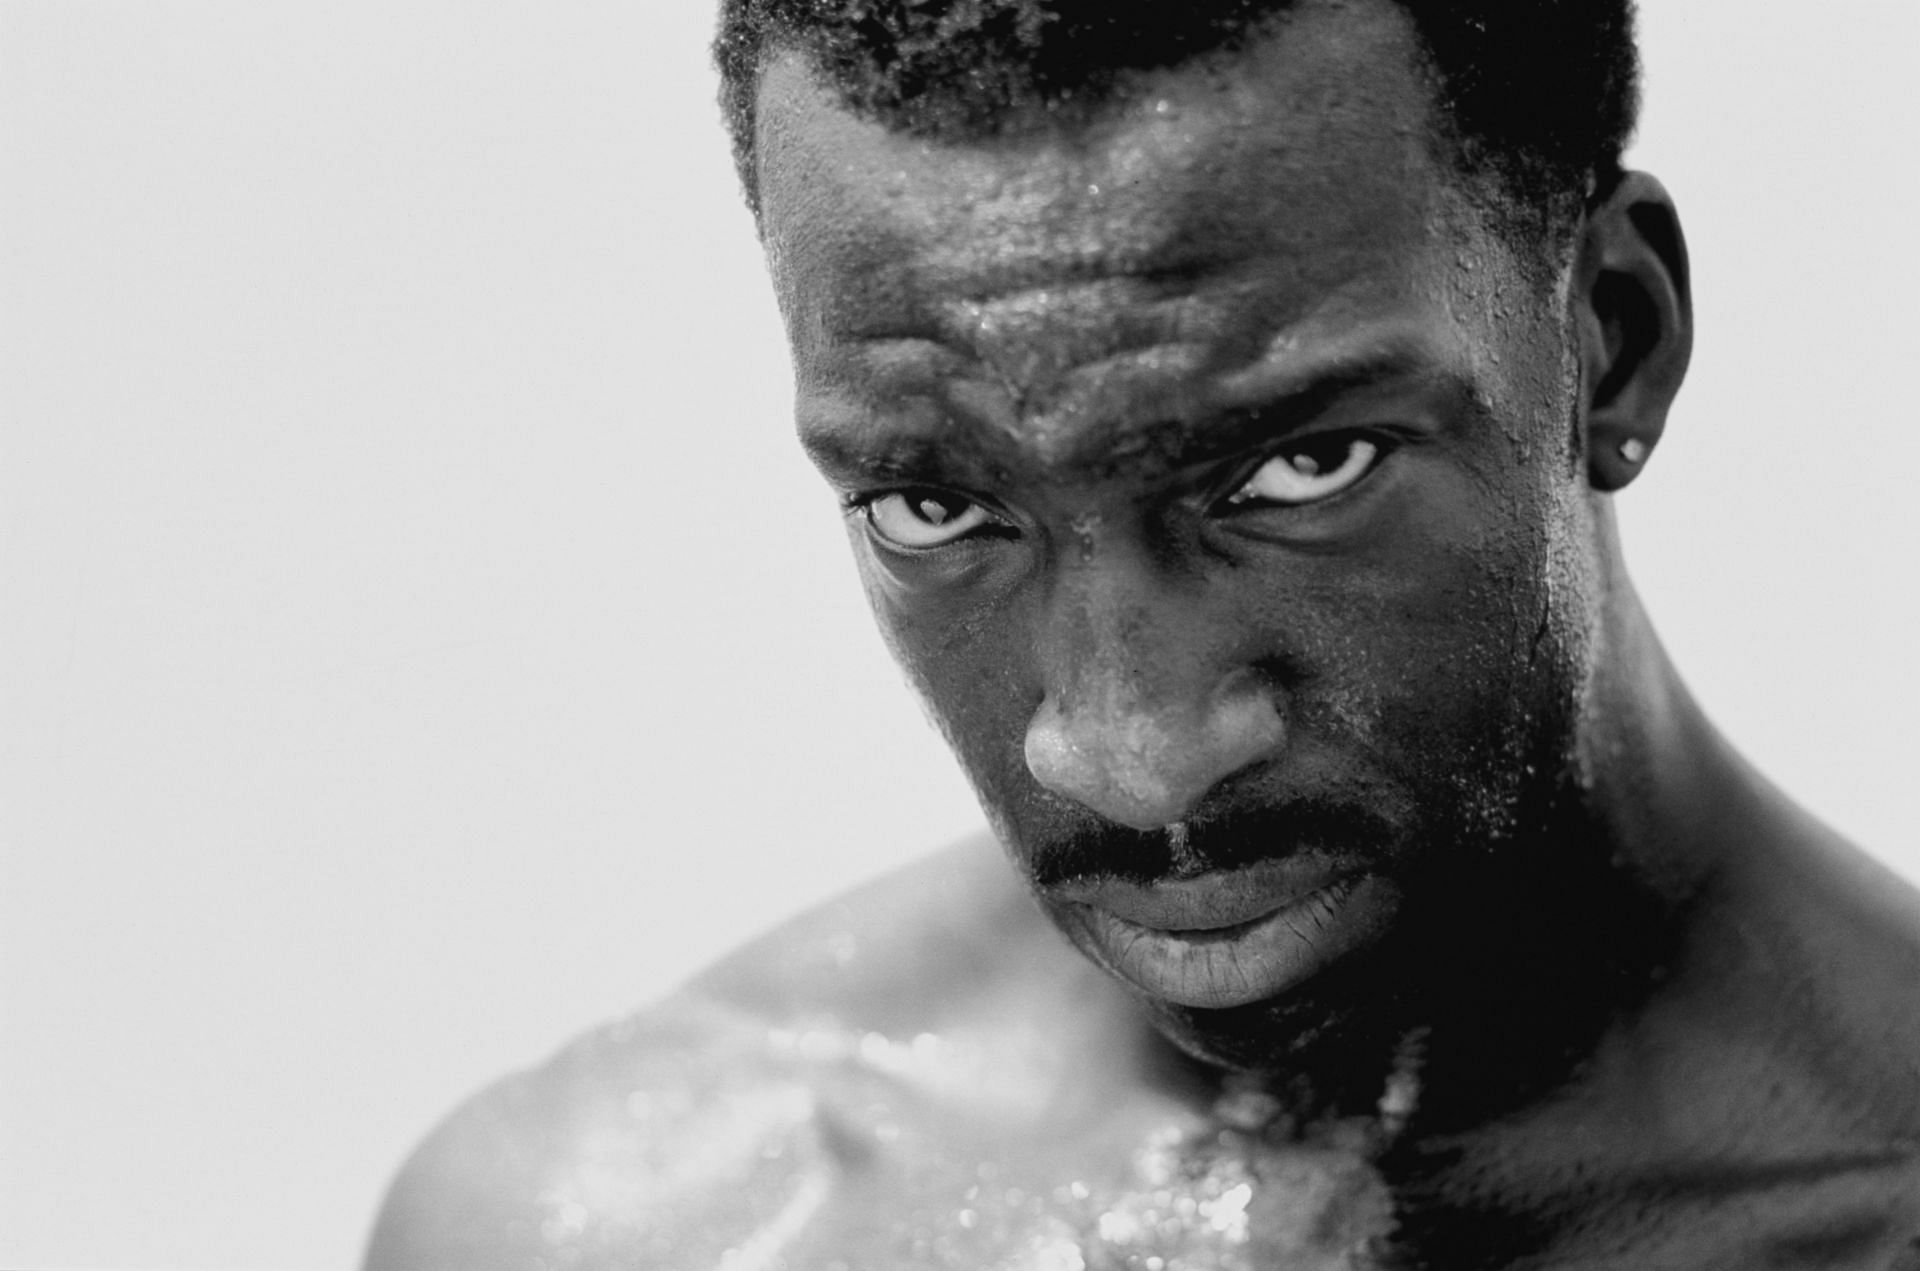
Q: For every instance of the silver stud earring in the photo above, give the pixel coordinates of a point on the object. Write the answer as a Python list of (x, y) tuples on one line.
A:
[(1633, 450)]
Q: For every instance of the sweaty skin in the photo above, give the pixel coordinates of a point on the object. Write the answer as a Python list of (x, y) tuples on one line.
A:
[(1239, 498)]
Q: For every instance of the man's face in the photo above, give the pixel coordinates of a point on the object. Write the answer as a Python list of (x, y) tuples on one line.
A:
[(1213, 473)]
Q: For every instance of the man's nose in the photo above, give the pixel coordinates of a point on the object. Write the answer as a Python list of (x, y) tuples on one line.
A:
[(1144, 715)]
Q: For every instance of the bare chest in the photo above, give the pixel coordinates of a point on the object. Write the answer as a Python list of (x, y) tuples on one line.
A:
[(993, 1144), (868, 1152), (882, 1153)]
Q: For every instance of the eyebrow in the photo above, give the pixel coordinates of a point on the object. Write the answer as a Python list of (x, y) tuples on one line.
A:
[(876, 450), (846, 457), (1288, 402)]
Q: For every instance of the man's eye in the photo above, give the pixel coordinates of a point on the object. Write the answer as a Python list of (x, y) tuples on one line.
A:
[(925, 518), (1310, 470)]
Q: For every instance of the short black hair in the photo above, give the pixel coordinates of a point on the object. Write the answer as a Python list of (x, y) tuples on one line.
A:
[(1540, 94)]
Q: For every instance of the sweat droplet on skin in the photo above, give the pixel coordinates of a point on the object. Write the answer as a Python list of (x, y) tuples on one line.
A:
[(1084, 528)]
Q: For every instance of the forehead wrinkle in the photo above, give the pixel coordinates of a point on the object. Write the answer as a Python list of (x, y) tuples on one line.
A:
[(1033, 340), (1146, 414), (1215, 352), (1094, 416), (1144, 407)]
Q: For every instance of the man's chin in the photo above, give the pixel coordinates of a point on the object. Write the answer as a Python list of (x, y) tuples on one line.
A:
[(1330, 1042)]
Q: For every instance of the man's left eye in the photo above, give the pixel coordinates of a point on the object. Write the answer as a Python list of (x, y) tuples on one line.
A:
[(925, 518), (1310, 470)]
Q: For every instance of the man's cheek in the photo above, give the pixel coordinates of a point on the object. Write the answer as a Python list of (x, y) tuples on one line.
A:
[(1433, 663), (968, 663)]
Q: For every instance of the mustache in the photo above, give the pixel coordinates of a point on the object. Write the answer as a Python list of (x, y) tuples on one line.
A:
[(1219, 841)]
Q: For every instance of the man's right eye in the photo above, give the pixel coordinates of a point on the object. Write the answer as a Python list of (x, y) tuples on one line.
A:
[(920, 519)]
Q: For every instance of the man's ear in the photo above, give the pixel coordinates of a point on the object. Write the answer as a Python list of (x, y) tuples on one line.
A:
[(1634, 308)]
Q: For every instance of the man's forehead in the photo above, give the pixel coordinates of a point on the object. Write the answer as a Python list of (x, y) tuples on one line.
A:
[(1301, 144), (1036, 207)]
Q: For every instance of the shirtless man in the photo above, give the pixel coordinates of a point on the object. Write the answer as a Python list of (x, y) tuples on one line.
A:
[(1228, 401)]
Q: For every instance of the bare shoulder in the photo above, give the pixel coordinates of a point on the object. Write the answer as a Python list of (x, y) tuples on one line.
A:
[(698, 1121), (1853, 947), (908, 951), (495, 1183)]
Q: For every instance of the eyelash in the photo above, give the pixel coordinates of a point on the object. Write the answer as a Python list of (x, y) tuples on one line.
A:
[(861, 503), (1384, 443)]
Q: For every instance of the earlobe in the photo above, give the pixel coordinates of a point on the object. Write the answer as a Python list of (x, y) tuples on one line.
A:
[(1635, 318)]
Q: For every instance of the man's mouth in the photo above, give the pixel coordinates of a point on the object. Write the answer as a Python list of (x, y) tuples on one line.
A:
[(1229, 937)]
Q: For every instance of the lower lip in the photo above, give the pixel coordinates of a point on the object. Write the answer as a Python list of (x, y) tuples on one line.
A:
[(1251, 962)]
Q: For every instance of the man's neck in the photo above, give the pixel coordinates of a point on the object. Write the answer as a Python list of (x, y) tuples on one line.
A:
[(1721, 985)]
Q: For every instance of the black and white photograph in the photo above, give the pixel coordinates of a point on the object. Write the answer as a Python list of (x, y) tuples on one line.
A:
[(959, 635)]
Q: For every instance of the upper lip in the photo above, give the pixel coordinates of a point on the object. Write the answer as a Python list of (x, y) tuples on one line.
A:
[(1211, 901)]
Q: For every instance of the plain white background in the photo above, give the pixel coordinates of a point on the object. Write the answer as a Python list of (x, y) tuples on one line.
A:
[(421, 638)]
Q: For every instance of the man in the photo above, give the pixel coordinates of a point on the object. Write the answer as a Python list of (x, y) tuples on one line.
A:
[(1228, 399)]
